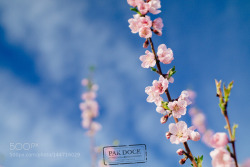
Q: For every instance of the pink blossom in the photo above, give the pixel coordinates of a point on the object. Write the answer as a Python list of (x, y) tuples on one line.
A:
[(180, 151), (91, 106), (153, 96), (148, 60), (145, 32), (86, 123), (179, 132), (134, 23), (133, 2), (207, 137), (87, 115), (161, 85), (185, 96), (161, 110), (178, 108), (145, 22), (221, 158), (89, 95), (143, 7), (165, 54), (195, 136), (219, 140), (94, 127), (158, 25), (154, 6), (85, 82)]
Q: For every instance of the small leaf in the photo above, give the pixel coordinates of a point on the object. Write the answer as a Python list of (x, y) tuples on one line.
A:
[(228, 149), (218, 87), (227, 91), (165, 105), (234, 130), (135, 10), (171, 72), (199, 161), (153, 69)]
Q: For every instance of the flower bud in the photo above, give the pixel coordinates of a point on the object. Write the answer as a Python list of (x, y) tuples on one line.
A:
[(196, 136), (159, 33), (168, 134), (180, 151), (164, 119), (182, 161), (146, 43)]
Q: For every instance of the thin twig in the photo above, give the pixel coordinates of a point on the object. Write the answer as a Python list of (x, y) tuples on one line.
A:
[(189, 154)]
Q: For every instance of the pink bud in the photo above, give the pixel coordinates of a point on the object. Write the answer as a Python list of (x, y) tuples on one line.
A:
[(164, 119), (182, 161), (195, 136), (157, 32), (180, 151), (145, 44), (168, 135)]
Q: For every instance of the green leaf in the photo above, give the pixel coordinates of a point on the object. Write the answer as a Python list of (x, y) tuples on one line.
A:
[(153, 69), (222, 107), (227, 91), (234, 130), (135, 10), (171, 72), (218, 87), (228, 149), (165, 105), (199, 161)]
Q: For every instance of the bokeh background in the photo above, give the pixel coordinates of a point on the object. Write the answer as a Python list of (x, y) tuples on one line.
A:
[(47, 46)]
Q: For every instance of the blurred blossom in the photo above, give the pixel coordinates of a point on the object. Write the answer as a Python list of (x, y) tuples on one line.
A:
[(221, 157), (207, 137), (246, 163), (219, 140)]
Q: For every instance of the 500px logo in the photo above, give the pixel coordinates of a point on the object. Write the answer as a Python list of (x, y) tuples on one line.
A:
[(22, 146)]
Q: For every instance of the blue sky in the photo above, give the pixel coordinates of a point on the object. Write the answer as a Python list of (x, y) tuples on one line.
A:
[(47, 46)]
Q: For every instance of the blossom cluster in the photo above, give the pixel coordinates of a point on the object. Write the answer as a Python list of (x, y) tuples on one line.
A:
[(179, 132), (141, 23), (89, 108)]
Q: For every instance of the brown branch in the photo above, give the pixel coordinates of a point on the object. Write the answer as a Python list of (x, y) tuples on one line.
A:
[(231, 136), (188, 151)]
